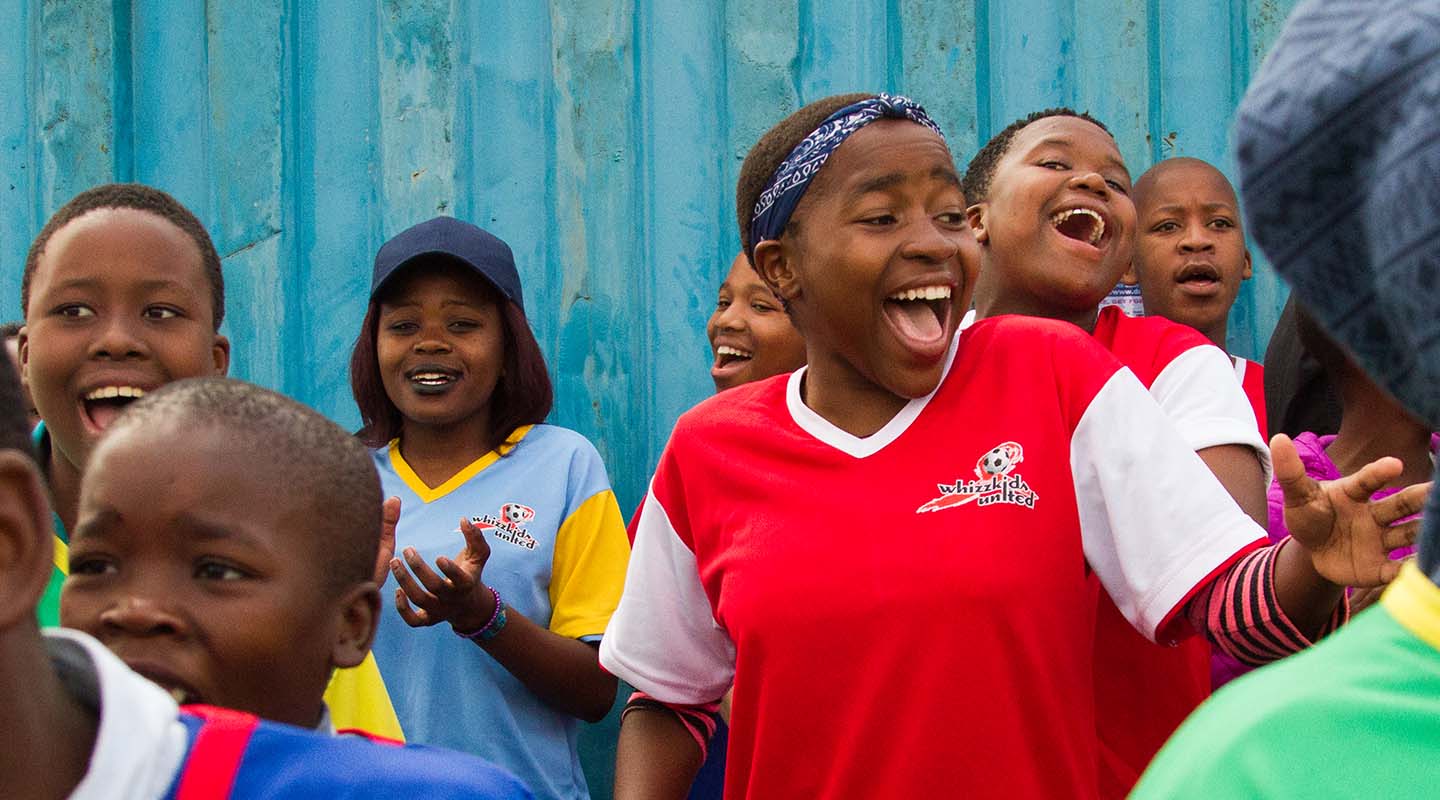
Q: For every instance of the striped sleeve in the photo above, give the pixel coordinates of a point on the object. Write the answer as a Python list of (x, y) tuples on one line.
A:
[(1240, 614)]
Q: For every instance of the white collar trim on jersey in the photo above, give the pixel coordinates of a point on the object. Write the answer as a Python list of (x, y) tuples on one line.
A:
[(140, 741), (848, 443)]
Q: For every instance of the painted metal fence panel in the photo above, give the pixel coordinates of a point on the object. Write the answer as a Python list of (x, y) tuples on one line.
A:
[(600, 138)]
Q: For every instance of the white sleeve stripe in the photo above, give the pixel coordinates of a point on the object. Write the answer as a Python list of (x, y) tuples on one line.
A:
[(663, 638), (1154, 521), (1200, 394)]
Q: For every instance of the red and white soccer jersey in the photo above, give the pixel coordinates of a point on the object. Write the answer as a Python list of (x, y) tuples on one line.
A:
[(1143, 692), (911, 614), (1252, 381)]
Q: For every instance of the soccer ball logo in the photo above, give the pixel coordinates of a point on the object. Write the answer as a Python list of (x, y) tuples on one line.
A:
[(1000, 461), (516, 514)]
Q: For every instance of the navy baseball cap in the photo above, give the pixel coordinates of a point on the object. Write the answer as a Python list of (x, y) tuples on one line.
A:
[(461, 241)]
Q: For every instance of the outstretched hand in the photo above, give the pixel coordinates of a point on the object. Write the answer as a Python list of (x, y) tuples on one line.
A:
[(459, 597), (1349, 536)]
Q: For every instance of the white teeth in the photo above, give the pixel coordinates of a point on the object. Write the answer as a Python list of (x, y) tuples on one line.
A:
[(1095, 234), (108, 392), (179, 695), (727, 350), (922, 293), (430, 378)]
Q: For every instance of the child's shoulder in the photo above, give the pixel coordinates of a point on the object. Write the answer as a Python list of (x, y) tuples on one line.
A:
[(1015, 335), (1146, 344), (759, 403), (283, 762)]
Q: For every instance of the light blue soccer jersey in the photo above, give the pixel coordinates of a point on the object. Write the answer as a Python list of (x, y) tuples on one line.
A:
[(558, 553)]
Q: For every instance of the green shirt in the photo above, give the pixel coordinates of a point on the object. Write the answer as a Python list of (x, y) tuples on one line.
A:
[(1358, 715), (49, 610)]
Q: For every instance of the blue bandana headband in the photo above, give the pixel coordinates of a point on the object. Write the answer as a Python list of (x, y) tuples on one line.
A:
[(782, 194)]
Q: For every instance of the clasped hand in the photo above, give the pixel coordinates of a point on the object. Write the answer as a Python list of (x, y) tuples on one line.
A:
[(457, 595)]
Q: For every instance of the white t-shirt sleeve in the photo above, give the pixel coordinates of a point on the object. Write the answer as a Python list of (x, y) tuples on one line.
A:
[(1154, 521), (1200, 394), (663, 638)]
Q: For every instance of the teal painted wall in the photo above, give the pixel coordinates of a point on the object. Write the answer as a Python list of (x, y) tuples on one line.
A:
[(601, 139)]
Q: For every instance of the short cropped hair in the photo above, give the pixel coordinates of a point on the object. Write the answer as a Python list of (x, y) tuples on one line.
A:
[(140, 198), (523, 395), (10, 330), (14, 424), (768, 153), (981, 170), (308, 458)]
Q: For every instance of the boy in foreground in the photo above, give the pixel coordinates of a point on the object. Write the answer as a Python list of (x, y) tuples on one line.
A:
[(95, 729)]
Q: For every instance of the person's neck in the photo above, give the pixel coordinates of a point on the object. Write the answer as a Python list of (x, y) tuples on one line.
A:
[(846, 399), (1217, 333), (437, 452), (49, 754), (63, 478), (1373, 425), (992, 301)]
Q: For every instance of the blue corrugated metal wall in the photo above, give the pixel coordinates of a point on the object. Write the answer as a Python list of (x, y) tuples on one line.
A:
[(601, 139)]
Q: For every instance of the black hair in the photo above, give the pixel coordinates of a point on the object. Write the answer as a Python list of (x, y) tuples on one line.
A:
[(768, 153), (10, 330), (14, 424), (981, 170), (1339, 367), (140, 198), (301, 453), (523, 395)]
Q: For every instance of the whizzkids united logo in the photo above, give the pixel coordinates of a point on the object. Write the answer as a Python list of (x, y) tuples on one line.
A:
[(508, 525), (996, 482)]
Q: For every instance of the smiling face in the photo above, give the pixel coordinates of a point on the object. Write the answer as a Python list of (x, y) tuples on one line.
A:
[(750, 335), (197, 566), (1190, 255), (878, 266), (1055, 229), (441, 346), (119, 305)]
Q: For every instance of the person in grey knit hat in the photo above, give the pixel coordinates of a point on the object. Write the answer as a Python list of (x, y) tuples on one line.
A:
[(1338, 144)]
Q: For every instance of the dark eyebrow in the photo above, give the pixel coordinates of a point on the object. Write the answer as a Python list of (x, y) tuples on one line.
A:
[(205, 531), (92, 526), (150, 284), (1176, 208), (1067, 142), (881, 183)]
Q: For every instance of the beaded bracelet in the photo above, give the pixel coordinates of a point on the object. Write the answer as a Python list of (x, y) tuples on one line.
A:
[(490, 629)]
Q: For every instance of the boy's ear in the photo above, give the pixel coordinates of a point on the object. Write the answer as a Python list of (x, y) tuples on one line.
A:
[(359, 617), (775, 268), (978, 217), (220, 351), (1247, 272), (27, 547), (22, 342)]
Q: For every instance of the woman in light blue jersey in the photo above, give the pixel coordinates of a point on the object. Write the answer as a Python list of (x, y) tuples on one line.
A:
[(453, 392)]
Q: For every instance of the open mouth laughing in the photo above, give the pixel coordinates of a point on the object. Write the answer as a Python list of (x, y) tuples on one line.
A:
[(1083, 225), (921, 315), (103, 404)]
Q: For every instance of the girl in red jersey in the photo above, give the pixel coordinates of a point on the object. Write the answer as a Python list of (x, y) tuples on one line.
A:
[(842, 545)]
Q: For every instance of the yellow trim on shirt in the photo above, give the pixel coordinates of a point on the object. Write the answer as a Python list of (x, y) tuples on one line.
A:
[(358, 700), (457, 480), (587, 571), (62, 555), (1414, 601)]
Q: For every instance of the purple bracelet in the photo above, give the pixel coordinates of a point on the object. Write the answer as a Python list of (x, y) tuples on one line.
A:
[(489, 630)]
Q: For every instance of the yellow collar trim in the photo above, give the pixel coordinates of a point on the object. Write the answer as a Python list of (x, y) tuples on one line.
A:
[(457, 480), (1414, 602), (62, 555)]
